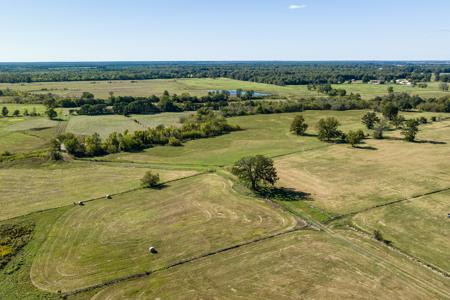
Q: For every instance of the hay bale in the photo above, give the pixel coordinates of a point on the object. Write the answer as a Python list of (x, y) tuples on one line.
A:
[(108, 196), (80, 203), (152, 250)]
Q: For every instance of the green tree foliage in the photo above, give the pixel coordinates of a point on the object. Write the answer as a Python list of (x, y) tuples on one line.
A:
[(299, 125), (398, 121), (150, 180), (443, 86), (369, 119), (354, 137), (16, 113), (72, 144), (5, 111), (410, 130), (389, 110), (255, 170), (379, 129), (93, 145), (51, 113), (328, 129)]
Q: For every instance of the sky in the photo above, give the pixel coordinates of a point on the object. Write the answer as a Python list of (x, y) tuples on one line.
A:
[(166, 30)]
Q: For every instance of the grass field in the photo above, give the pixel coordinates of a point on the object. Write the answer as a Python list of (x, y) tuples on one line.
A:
[(262, 134), (342, 180), (30, 188), (40, 109), (112, 236), (368, 91), (26, 134), (306, 265), (104, 125), (200, 87), (79, 246), (420, 227)]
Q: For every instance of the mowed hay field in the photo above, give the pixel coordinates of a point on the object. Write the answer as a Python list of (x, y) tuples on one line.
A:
[(419, 226), (30, 188), (26, 134), (108, 239), (301, 265), (201, 86), (104, 125), (342, 179), (262, 134)]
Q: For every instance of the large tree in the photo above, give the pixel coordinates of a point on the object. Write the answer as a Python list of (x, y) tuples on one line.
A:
[(328, 129), (389, 110), (255, 170), (299, 125), (369, 119), (410, 130)]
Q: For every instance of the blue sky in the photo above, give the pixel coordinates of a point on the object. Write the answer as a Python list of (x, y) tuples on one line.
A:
[(99, 30)]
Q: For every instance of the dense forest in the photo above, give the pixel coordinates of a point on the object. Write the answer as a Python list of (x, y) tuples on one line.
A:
[(280, 73)]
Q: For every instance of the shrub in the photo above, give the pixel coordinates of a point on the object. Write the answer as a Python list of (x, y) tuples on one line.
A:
[(55, 155), (410, 130), (150, 180), (369, 119), (423, 120), (173, 141), (354, 137)]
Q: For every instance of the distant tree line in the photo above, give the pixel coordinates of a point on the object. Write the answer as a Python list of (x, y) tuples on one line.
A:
[(280, 73)]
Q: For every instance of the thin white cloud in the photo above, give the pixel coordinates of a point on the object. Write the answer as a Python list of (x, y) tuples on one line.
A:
[(297, 6)]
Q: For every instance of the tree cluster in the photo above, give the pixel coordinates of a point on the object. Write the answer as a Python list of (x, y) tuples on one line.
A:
[(205, 123)]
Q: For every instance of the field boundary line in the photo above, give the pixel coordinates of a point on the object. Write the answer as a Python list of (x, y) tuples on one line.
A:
[(386, 204), (182, 262)]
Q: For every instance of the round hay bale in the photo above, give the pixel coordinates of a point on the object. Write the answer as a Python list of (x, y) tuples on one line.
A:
[(152, 250)]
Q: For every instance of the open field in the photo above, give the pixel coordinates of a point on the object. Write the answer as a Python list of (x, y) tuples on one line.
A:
[(342, 180), (262, 134), (200, 87), (80, 246), (420, 227), (311, 264), (26, 134), (112, 237), (104, 125), (31, 188), (369, 91)]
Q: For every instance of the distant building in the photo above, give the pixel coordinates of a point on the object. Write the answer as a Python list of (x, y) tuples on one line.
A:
[(376, 82), (403, 82)]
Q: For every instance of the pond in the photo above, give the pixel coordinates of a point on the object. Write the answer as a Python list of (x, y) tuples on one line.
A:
[(233, 93)]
